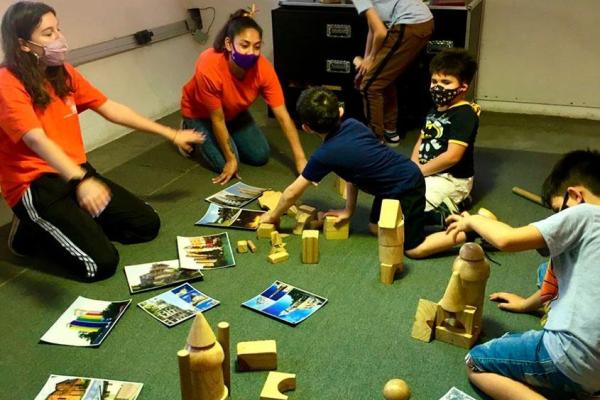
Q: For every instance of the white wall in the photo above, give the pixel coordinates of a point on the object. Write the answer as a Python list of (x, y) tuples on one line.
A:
[(541, 57)]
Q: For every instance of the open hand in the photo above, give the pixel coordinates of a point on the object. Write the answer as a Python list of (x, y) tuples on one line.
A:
[(509, 302), (342, 215), (230, 170)]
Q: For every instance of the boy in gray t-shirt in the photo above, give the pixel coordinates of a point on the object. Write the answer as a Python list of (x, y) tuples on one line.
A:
[(564, 357)]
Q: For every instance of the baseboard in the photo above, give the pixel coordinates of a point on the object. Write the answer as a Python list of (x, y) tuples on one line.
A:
[(540, 109)]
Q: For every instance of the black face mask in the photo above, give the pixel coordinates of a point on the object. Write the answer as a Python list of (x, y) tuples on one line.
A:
[(441, 96)]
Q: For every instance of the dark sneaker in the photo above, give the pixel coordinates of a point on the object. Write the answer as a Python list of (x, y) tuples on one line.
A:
[(392, 139), (17, 243), (465, 204)]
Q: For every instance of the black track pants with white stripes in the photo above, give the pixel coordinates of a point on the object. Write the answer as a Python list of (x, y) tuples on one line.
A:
[(58, 228)]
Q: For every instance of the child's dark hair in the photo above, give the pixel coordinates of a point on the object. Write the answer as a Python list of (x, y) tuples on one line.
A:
[(319, 108), (454, 62), (579, 167), (238, 22)]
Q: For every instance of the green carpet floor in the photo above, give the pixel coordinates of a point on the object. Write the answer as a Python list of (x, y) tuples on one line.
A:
[(347, 350)]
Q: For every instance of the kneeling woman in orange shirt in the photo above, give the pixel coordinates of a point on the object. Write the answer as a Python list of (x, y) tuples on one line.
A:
[(64, 209), (227, 80)]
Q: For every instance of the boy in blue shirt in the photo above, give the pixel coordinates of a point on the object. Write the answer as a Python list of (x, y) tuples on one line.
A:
[(563, 357), (354, 153)]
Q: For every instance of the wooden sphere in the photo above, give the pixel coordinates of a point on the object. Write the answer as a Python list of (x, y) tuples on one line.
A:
[(396, 389)]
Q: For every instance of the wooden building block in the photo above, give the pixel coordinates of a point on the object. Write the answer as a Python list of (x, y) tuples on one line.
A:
[(223, 339), (308, 210), (391, 214), (387, 272), (393, 255), (292, 211), (340, 186), (251, 246), (276, 383), (258, 355), (310, 247), (278, 257), (264, 231), (242, 246), (302, 219), (424, 325), (331, 231), (269, 200), (464, 340), (276, 239)]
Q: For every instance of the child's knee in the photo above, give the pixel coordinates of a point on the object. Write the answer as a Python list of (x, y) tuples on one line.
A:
[(103, 266)]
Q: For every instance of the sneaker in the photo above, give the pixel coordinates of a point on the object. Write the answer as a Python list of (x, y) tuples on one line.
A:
[(17, 243), (392, 139)]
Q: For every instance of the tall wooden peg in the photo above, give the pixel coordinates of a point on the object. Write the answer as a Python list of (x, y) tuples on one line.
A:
[(223, 338), (201, 364)]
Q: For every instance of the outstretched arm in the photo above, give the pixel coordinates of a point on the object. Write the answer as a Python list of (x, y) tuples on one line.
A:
[(291, 134), (289, 196), (517, 304), (123, 115), (499, 234)]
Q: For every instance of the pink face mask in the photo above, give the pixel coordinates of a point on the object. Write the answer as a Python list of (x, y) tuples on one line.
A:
[(54, 52)]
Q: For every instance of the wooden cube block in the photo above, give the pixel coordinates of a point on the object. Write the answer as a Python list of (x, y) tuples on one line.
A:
[(310, 247), (331, 231), (278, 257), (264, 231), (258, 355), (242, 246)]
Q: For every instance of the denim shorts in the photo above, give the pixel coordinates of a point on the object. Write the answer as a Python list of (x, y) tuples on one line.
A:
[(522, 357)]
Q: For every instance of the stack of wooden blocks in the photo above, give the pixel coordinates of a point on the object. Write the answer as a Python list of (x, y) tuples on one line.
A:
[(391, 240), (278, 252)]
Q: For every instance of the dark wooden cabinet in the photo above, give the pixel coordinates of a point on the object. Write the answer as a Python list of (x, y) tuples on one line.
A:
[(315, 45)]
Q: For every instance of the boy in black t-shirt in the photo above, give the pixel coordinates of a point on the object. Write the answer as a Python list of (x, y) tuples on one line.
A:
[(352, 151), (444, 150)]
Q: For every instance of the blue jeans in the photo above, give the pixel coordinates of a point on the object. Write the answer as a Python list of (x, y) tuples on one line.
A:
[(522, 357), (248, 142)]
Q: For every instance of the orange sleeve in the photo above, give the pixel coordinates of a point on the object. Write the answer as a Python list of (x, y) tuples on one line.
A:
[(270, 86), (17, 115), (210, 91), (85, 94)]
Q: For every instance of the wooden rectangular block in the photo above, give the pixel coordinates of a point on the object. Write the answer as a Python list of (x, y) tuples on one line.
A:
[(278, 257), (464, 340), (310, 246), (424, 326), (391, 236), (308, 210), (302, 220), (269, 200), (276, 239), (391, 214), (251, 246), (258, 355), (264, 231), (331, 231), (292, 211), (391, 254), (340, 186), (242, 246)]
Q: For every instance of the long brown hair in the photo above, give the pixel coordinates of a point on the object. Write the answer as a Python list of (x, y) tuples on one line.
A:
[(238, 21), (19, 22)]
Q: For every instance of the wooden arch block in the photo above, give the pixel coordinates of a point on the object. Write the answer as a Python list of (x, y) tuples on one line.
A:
[(276, 383)]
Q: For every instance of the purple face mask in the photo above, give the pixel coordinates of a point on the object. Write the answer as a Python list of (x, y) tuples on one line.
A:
[(244, 61), (54, 52)]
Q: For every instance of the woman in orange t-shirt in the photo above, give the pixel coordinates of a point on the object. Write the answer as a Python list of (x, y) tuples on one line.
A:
[(227, 80), (63, 208)]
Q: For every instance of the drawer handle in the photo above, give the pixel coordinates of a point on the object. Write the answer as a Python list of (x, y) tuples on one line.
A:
[(339, 31), (338, 66)]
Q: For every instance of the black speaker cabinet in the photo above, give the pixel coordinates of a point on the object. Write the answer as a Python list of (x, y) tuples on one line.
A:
[(315, 44)]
